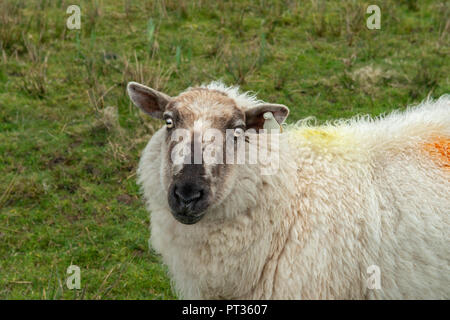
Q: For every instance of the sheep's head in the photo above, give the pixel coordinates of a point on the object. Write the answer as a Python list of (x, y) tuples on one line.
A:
[(202, 128)]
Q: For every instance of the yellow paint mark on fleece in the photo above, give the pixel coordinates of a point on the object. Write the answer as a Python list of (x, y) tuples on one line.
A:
[(439, 149), (319, 136), (326, 138)]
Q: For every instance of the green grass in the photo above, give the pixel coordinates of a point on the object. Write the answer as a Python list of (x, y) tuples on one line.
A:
[(70, 139)]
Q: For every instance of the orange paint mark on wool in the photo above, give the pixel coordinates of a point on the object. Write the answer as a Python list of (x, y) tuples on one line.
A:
[(439, 149)]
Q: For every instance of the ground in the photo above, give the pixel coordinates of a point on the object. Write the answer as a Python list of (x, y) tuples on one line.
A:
[(70, 139)]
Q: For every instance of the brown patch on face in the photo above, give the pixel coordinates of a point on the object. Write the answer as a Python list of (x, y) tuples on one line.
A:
[(200, 103)]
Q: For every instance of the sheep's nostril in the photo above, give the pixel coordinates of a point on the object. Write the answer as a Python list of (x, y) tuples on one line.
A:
[(188, 198), (187, 194)]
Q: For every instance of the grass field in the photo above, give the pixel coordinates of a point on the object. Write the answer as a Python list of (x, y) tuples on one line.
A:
[(70, 139)]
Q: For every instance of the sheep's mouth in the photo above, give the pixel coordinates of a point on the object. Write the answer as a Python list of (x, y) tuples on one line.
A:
[(187, 218)]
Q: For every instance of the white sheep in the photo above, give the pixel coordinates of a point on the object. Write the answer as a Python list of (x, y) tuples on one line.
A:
[(358, 209)]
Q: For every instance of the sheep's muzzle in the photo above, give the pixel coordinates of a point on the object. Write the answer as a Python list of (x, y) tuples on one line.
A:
[(188, 200)]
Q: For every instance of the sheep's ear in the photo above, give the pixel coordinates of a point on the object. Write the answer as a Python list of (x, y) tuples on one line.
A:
[(254, 117), (149, 100)]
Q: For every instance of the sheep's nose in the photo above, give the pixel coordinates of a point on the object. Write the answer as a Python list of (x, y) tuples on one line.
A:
[(188, 200), (188, 193)]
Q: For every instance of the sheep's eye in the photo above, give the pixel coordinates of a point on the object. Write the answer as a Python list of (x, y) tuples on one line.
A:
[(169, 123), (238, 132)]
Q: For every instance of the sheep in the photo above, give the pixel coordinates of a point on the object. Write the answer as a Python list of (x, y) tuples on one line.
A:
[(358, 208)]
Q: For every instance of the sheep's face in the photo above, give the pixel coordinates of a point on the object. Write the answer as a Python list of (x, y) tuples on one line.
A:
[(203, 128)]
